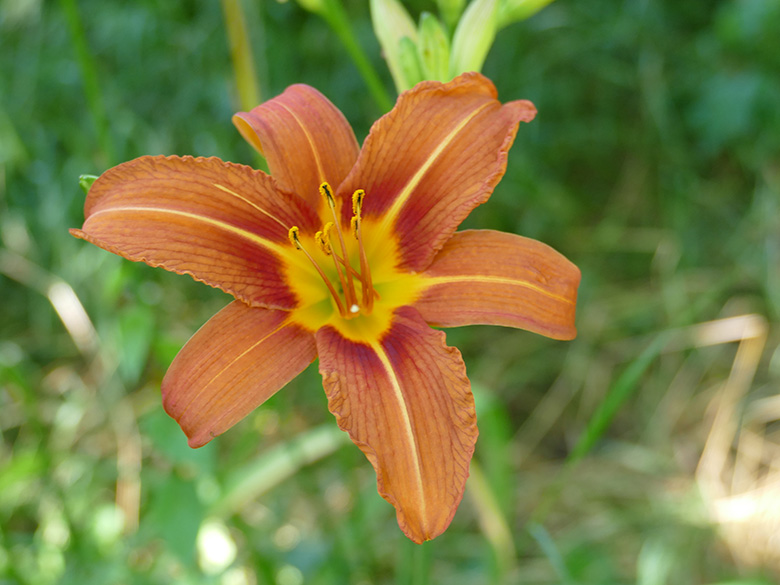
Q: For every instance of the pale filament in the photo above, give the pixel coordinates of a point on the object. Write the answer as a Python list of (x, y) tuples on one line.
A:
[(350, 306)]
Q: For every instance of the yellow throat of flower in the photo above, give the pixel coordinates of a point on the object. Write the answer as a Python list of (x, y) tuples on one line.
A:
[(347, 281)]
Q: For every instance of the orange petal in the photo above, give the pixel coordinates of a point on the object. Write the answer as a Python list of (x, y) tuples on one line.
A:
[(438, 154), (407, 403), (495, 278), (305, 139), (224, 224), (234, 363)]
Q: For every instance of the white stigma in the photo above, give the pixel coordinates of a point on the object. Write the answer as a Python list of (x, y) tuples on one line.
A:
[(354, 309)]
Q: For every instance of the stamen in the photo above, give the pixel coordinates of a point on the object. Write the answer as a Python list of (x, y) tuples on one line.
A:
[(348, 303), (349, 289), (293, 235), (357, 201), (365, 270), (320, 242), (336, 259), (353, 225), (323, 238)]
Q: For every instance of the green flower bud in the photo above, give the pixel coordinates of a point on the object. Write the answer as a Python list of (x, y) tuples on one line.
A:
[(315, 6), (433, 49), (450, 11), (474, 36), (391, 24), (510, 11), (410, 63)]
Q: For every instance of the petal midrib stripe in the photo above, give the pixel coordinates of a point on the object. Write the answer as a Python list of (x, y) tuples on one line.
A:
[(250, 236), (232, 362), (406, 191), (409, 433), (476, 278), (252, 204), (315, 153)]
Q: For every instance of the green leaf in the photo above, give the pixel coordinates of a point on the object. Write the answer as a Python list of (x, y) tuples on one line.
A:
[(177, 512), (170, 442), (135, 330), (85, 182)]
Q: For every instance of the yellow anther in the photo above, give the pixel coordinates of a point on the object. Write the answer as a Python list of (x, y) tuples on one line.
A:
[(352, 305), (357, 201), (320, 243), (293, 235), (354, 225), (326, 192), (322, 238)]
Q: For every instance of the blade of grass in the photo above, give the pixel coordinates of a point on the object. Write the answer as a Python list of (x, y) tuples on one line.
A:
[(59, 293), (550, 550), (626, 384), (492, 521)]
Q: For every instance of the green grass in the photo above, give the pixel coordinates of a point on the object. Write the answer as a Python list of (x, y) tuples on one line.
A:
[(653, 164)]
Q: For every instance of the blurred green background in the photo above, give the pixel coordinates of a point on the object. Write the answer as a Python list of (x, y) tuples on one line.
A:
[(646, 452)]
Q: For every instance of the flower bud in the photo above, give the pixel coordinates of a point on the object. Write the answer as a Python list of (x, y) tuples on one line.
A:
[(433, 49), (450, 11), (410, 62), (510, 11), (474, 36), (315, 6), (391, 24)]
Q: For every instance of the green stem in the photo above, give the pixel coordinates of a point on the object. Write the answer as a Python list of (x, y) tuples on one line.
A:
[(244, 70), (241, 55), (336, 17)]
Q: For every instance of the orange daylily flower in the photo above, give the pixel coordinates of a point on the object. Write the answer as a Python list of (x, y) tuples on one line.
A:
[(349, 255)]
